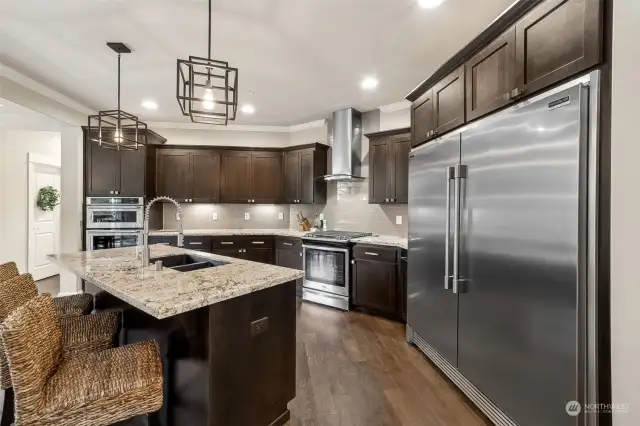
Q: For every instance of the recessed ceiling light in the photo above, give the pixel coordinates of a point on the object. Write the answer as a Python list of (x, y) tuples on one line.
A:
[(369, 83), (430, 4), (248, 109), (150, 105)]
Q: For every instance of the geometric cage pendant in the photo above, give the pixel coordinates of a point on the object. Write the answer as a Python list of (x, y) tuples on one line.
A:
[(117, 129)]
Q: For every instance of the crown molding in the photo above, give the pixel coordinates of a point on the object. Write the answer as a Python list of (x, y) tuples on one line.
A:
[(21, 79), (234, 127), (396, 106)]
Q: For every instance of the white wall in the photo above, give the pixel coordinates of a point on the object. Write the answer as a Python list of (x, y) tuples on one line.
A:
[(15, 145), (625, 213), (395, 119), (223, 137)]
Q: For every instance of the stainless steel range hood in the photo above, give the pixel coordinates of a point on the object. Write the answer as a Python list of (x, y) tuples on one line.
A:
[(346, 146)]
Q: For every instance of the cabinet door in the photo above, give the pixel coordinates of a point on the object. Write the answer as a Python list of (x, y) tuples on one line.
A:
[(261, 255), (375, 285), (236, 177), (173, 176), (379, 170), (307, 178), (291, 177), (205, 176), (491, 76), (422, 118), (288, 258), (131, 173), (266, 177), (235, 253), (448, 102), (557, 39), (101, 170), (401, 146)]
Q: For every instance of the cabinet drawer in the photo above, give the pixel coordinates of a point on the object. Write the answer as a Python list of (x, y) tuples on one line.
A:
[(286, 243), (225, 243), (168, 240), (197, 242), (258, 242), (375, 253)]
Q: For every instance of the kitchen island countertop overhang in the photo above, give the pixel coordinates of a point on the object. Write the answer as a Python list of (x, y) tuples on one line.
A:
[(167, 292)]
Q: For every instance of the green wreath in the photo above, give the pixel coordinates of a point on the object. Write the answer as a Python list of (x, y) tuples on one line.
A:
[(48, 198)]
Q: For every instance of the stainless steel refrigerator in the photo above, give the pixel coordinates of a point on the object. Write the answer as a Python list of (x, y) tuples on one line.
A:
[(502, 250)]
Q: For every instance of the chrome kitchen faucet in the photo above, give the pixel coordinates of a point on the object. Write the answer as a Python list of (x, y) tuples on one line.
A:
[(147, 212)]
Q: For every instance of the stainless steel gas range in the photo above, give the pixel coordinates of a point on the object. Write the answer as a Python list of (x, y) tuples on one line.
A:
[(326, 259)]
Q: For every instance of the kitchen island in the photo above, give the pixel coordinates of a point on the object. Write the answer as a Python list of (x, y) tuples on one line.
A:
[(226, 333)]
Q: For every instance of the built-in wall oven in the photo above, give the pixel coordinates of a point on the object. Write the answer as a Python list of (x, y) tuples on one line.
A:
[(114, 222)]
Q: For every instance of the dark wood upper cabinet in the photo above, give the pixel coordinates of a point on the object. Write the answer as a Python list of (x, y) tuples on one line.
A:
[(236, 177), (101, 168), (379, 170), (302, 168), (389, 166), (131, 175), (491, 76), (556, 40), (291, 184), (205, 176), (173, 177), (422, 118), (266, 177), (400, 177), (448, 102)]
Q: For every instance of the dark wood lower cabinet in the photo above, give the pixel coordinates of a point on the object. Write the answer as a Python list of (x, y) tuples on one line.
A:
[(261, 255), (289, 255), (377, 280), (235, 253)]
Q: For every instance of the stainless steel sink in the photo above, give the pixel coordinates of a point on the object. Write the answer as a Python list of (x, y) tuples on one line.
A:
[(187, 262)]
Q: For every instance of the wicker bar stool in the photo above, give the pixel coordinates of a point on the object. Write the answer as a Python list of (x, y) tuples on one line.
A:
[(87, 333), (90, 389), (76, 304)]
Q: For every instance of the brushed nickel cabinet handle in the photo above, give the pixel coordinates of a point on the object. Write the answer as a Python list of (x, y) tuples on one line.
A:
[(287, 244), (257, 242), (226, 242), (194, 243), (371, 253)]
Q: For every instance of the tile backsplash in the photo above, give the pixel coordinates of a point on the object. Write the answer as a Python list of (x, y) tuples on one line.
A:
[(230, 216), (348, 209)]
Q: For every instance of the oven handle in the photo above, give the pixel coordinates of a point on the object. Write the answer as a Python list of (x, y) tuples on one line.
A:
[(105, 232), (115, 208), (325, 248)]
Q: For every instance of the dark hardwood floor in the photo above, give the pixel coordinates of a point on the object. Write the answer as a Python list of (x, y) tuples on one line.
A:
[(356, 369)]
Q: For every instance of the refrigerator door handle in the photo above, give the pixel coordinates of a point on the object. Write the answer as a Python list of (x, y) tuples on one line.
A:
[(460, 174), (447, 270)]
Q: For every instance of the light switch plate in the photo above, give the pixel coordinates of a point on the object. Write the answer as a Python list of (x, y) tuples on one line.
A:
[(177, 216), (321, 216), (364, 198), (247, 216), (281, 216), (215, 216), (398, 220)]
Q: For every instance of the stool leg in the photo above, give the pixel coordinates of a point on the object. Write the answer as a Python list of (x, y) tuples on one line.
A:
[(7, 408)]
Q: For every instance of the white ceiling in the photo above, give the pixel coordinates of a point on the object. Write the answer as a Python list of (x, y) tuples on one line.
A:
[(302, 58), (17, 117)]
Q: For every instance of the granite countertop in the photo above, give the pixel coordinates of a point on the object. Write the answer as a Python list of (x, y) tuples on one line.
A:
[(230, 232), (167, 292), (383, 240)]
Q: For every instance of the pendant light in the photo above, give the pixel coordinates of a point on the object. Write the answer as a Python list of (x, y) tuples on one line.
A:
[(207, 89), (117, 129)]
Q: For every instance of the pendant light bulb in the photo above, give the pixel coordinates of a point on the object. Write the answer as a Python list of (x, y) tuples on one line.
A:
[(117, 137), (208, 97)]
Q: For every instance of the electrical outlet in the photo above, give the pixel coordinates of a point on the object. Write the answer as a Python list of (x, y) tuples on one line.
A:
[(215, 216), (177, 216), (398, 220), (321, 216), (247, 216), (281, 216), (364, 198), (259, 326)]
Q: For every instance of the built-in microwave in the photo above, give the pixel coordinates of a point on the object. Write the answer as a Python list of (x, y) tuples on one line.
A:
[(115, 213), (100, 239)]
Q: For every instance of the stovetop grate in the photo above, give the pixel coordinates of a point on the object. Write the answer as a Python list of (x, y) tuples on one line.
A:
[(337, 235)]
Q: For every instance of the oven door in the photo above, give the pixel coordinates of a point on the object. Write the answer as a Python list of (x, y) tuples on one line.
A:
[(107, 239), (112, 217), (326, 269)]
